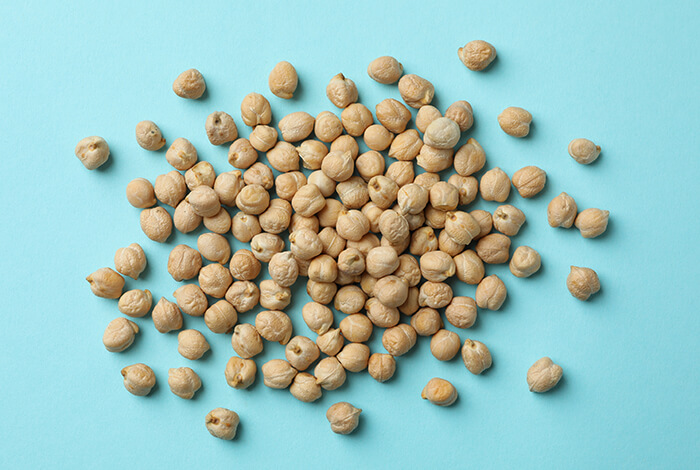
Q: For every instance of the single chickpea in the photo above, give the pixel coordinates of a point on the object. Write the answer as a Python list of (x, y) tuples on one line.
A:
[(467, 188), (415, 221), (92, 152), (409, 270), (333, 244), (393, 115), (341, 91), (377, 137), (260, 174), (382, 191), (592, 222), (323, 268), (192, 344), (222, 423), (140, 193), (461, 227), (305, 388), (412, 198), (435, 294), (296, 126), (416, 91), (184, 382), (240, 373), (447, 245), (244, 227), (476, 356), (201, 174), (170, 188), (139, 379), (214, 247), (241, 154), (445, 345), (356, 119), (349, 300), (401, 173), (181, 154), (317, 317), (325, 184), (347, 279), (491, 293), (301, 352), (370, 164), (204, 201), (495, 185), (470, 158), (221, 317), (427, 180), (185, 219), (305, 244), (385, 69), (283, 80), (443, 133), (308, 200), (157, 224), (136, 303), (381, 261), (393, 226), (529, 181), (494, 248), (584, 151), (561, 211), (255, 109), (331, 342), (343, 417), (399, 339), (214, 280), (543, 375), (283, 157), (437, 266), (439, 392), (373, 213), (191, 300), (166, 316), (253, 199), (400, 246), (263, 138), (477, 55), (328, 126), (485, 221), (338, 166), (423, 241), (246, 341), (356, 328), (381, 315), (353, 194), (425, 116), (273, 296), (434, 160), (220, 128), (321, 292), (525, 262), (354, 357), (435, 218), (366, 243), (189, 84), (351, 261), (106, 283), (406, 146), (283, 268), (461, 113), (367, 283), (381, 367), (278, 373), (469, 267), (461, 312), (277, 216), (328, 216), (582, 282), (184, 263), (330, 373), (273, 325), (130, 261), (515, 121), (508, 219), (243, 295), (346, 143), (426, 321), (411, 305), (287, 184), (119, 334), (352, 225), (312, 153), (444, 196), (265, 245)]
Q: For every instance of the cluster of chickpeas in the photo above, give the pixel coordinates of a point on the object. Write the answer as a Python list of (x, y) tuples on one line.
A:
[(377, 242)]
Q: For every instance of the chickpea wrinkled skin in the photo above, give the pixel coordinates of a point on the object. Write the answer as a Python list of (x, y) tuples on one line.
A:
[(106, 283), (529, 181), (139, 379), (515, 121), (439, 392), (222, 423), (243, 295), (582, 282), (543, 375), (341, 91), (255, 109), (584, 151), (304, 388), (330, 373), (130, 261), (491, 293), (140, 193), (477, 55), (283, 80), (240, 373), (119, 334), (278, 373), (93, 152), (135, 303), (416, 91), (385, 69), (221, 317), (192, 344), (170, 188), (461, 312), (592, 222), (184, 382), (181, 154), (156, 224), (189, 84), (381, 367), (525, 262), (301, 352), (166, 316), (191, 300), (561, 211), (476, 356), (399, 339), (246, 341), (354, 357), (343, 417), (184, 263), (220, 128)]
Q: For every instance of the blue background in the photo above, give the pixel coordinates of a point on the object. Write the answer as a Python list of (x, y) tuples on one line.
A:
[(624, 74)]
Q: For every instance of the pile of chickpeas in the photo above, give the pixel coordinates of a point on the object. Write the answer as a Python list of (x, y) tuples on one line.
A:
[(377, 242)]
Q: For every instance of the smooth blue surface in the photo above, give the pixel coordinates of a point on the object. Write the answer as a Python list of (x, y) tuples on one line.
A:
[(621, 73)]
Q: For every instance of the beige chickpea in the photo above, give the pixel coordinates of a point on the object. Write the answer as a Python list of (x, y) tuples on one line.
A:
[(592, 222), (356, 118), (240, 373), (324, 184), (166, 316), (241, 154), (189, 84), (495, 185), (338, 165), (243, 295), (170, 188), (222, 423), (447, 245), (106, 283), (201, 174), (321, 292), (434, 160), (399, 339), (411, 305), (283, 80), (378, 137), (157, 224), (461, 312), (344, 279), (356, 328), (493, 248), (423, 241), (301, 352), (244, 266), (263, 138), (445, 345), (220, 128), (221, 317), (305, 388), (343, 417), (273, 296), (204, 201), (278, 373), (139, 379), (317, 317), (370, 164), (401, 173), (444, 196), (354, 357), (525, 262), (561, 211), (283, 268), (135, 303), (246, 341), (330, 373), (333, 244), (584, 151), (393, 116), (308, 200), (582, 282), (381, 261), (323, 268), (485, 221), (140, 193), (439, 392), (467, 188), (515, 121), (385, 69), (277, 216), (92, 152), (381, 366), (477, 55), (244, 227), (265, 245), (508, 219), (184, 382), (425, 116), (260, 174), (470, 158), (476, 356), (415, 221), (491, 293), (331, 342), (412, 198), (461, 227), (119, 334), (296, 126), (543, 375), (461, 113), (408, 269), (346, 143), (328, 216), (181, 154), (529, 181), (373, 213), (435, 218), (406, 146), (426, 321), (305, 244), (469, 267), (400, 246), (367, 283), (287, 184), (353, 193), (352, 225), (130, 261), (185, 219), (191, 300), (184, 263), (341, 91), (351, 261), (416, 91), (192, 344), (437, 266), (382, 191), (255, 109), (427, 180), (253, 199), (443, 133), (381, 315), (283, 157), (328, 126), (312, 152), (214, 280), (435, 294), (393, 226), (214, 247), (364, 244)]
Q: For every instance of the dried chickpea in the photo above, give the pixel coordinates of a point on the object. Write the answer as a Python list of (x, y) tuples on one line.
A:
[(445, 345), (426, 321), (130, 261), (381, 261), (461, 312), (222, 423), (189, 84), (332, 243), (139, 379), (296, 126), (393, 226), (493, 248), (377, 137), (356, 328), (317, 317), (184, 382), (119, 334), (381, 315), (525, 262), (305, 388), (184, 263), (220, 128), (508, 219), (444, 196), (191, 300), (323, 268), (185, 219), (412, 198), (92, 152), (277, 216), (476, 356), (157, 224), (321, 292), (192, 344), (246, 341), (241, 154), (423, 241), (399, 339), (341, 91), (287, 184), (283, 80), (312, 153), (354, 357), (443, 133), (561, 211), (240, 373), (301, 352), (584, 151), (435, 218), (470, 158), (467, 188), (106, 283), (244, 227), (149, 136), (204, 201), (426, 115), (437, 266), (439, 392), (352, 225), (543, 375), (401, 173), (477, 55), (515, 121), (529, 181), (408, 269), (214, 247), (166, 316), (255, 109), (435, 294), (338, 166), (370, 164), (385, 69), (328, 126), (400, 246), (261, 174), (447, 245), (592, 222), (415, 221), (214, 280), (353, 194), (308, 200), (366, 243), (382, 191), (265, 245), (434, 160), (273, 296), (393, 116), (170, 188), (347, 279), (346, 143), (140, 193), (325, 184), (485, 221), (221, 317), (331, 342), (406, 146), (244, 266), (356, 118), (305, 244), (416, 91), (381, 366), (136, 303), (181, 155), (343, 417), (219, 223), (582, 282), (491, 293), (495, 185), (253, 199), (243, 295), (469, 267), (373, 213), (330, 373), (278, 373), (201, 174), (461, 113), (283, 157), (411, 305), (263, 138), (461, 227), (427, 180), (367, 283)]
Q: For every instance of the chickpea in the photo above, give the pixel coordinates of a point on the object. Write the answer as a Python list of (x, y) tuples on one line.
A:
[(330, 373), (220, 128), (416, 91), (437, 266), (476, 356), (214, 280), (461, 312), (385, 69), (265, 245), (461, 113), (222, 423), (323, 268), (427, 180), (214, 247), (283, 80), (439, 392), (140, 193), (367, 283), (562, 211), (461, 227), (353, 193), (485, 221), (406, 146), (444, 196), (204, 201), (341, 91), (477, 55), (352, 225), (508, 219), (543, 375), (156, 224), (283, 157), (366, 243), (426, 321), (470, 158), (241, 154), (277, 216), (299, 222), (181, 155), (243, 295), (515, 121), (354, 357), (189, 84), (332, 243), (312, 153), (263, 138), (240, 373), (184, 263), (317, 317), (287, 184), (253, 199), (495, 185), (399, 339), (349, 299), (491, 293), (246, 341), (136, 303), (373, 213), (370, 164), (408, 269), (255, 109), (221, 317), (92, 152), (106, 283), (343, 417), (166, 316), (119, 334), (443, 134), (278, 373), (244, 266), (191, 300), (381, 367), (331, 342), (301, 352), (445, 345), (244, 227), (401, 173), (356, 328), (584, 151), (467, 187), (393, 226), (347, 279), (469, 267), (201, 174), (130, 261), (338, 166), (447, 245), (305, 244), (382, 191), (328, 126), (423, 241), (412, 198), (324, 184), (435, 294), (435, 218), (426, 115), (415, 221), (170, 188), (321, 292), (381, 261), (582, 282), (192, 344), (185, 219), (529, 181), (494, 248), (273, 296), (399, 246), (305, 388), (346, 143), (381, 315), (434, 160), (592, 222), (139, 379), (184, 382), (356, 118), (393, 115), (525, 262), (296, 126)]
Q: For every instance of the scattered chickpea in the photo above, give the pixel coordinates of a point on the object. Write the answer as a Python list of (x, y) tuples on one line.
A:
[(333, 244), (263, 138), (416, 91), (181, 155), (185, 219), (246, 341), (308, 200), (214, 280), (343, 417), (220, 128), (296, 126), (477, 55), (381, 315), (222, 423), (491, 293), (136, 303), (427, 180), (192, 344), (401, 173), (204, 201), (170, 188), (508, 219), (544, 375), (377, 137), (385, 69), (356, 328), (354, 357), (201, 174), (393, 115), (494, 248), (240, 373), (273, 325), (515, 121), (130, 261), (525, 262), (445, 345), (328, 126), (439, 392), (426, 321), (140, 193), (529, 181), (166, 316), (425, 116), (242, 154), (469, 267), (278, 373), (139, 379), (283, 80), (184, 382), (447, 245), (221, 317), (214, 247), (461, 227), (305, 244), (265, 245), (191, 300), (156, 224), (393, 226), (106, 283), (184, 263), (381, 367), (324, 183), (476, 356), (356, 118), (399, 339), (582, 282), (434, 160), (255, 109), (273, 296), (561, 211), (338, 165), (437, 266), (330, 373), (220, 223), (119, 334), (443, 133), (341, 91), (321, 292), (461, 312), (331, 342), (243, 295), (312, 152), (406, 146), (92, 152), (318, 318), (301, 352), (470, 158), (584, 151), (305, 388), (189, 84), (592, 222), (461, 113), (287, 184)]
